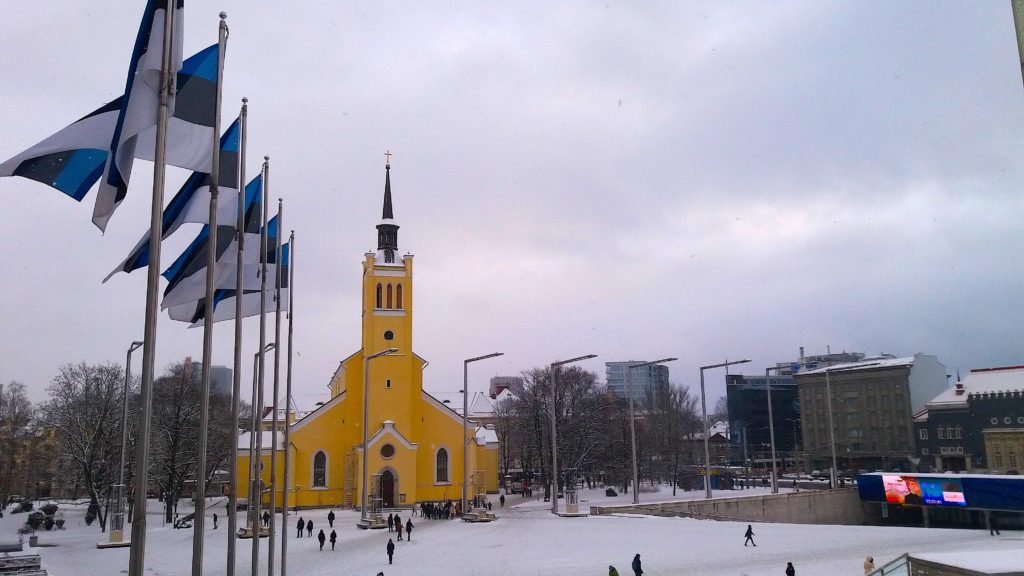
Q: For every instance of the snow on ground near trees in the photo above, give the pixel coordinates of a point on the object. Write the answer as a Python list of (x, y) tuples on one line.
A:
[(527, 539)]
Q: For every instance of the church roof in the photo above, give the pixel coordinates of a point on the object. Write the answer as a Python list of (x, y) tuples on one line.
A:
[(266, 438)]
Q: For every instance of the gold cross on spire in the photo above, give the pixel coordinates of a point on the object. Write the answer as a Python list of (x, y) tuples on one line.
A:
[(387, 157)]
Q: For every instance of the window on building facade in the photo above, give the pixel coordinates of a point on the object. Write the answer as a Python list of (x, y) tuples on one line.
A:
[(390, 300), (1012, 457), (320, 470), (957, 432), (998, 460), (442, 465), (942, 433), (924, 451), (398, 297), (379, 293), (922, 434)]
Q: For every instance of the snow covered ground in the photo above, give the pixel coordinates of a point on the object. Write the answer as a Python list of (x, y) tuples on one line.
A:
[(527, 539)]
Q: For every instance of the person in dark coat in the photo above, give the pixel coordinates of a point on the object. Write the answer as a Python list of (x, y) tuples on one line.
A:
[(391, 549), (408, 529), (398, 527), (993, 526), (300, 526), (501, 500), (330, 518), (309, 527), (266, 519), (749, 534), (214, 520), (391, 522), (637, 569), (790, 571), (334, 538)]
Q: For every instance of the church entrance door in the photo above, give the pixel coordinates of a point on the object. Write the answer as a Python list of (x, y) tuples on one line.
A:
[(387, 483)]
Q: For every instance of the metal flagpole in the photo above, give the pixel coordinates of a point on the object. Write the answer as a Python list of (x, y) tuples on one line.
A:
[(237, 379), (277, 388), (288, 408), (211, 265), (258, 419), (137, 554)]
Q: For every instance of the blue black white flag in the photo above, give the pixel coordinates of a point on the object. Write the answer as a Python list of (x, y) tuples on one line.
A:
[(187, 276), (139, 108), (224, 299), (192, 202), (73, 159)]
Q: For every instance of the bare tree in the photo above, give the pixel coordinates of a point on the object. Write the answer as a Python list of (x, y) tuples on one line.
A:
[(85, 410), (16, 415)]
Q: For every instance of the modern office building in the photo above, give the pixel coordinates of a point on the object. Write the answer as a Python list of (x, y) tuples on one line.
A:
[(872, 403), (749, 430), (220, 378), (645, 378)]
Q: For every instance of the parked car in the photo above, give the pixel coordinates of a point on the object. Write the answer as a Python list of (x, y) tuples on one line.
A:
[(817, 475)]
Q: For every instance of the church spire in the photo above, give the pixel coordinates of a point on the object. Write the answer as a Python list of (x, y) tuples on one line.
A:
[(387, 230)]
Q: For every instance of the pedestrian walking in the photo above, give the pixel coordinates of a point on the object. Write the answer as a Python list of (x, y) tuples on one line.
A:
[(334, 538), (391, 522), (309, 527), (993, 527), (300, 525), (321, 537), (214, 520), (330, 518), (790, 571), (398, 527), (408, 529), (612, 571), (637, 569), (869, 565), (749, 535), (501, 500), (391, 550), (266, 519)]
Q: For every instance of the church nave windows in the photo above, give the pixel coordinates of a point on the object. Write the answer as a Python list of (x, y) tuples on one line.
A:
[(389, 296), (441, 476), (320, 470)]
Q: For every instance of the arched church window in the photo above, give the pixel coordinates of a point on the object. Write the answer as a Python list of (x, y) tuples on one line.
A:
[(378, 295), (398, 297), (389, 296), (320, 470), (442, 465)]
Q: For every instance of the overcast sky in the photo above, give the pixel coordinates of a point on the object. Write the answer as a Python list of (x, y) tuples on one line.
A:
[(630, 179)]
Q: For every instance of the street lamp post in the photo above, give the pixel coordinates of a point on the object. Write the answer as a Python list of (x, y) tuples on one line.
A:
[(256, 454), (771, 428), (366, 417), (632, 424), (554, 429), (117, 521), (465, 415), (704, 411), (831, 426)]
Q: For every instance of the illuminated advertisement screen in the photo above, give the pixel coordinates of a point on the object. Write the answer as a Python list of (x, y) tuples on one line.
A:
[(942, 492), (915, 491)]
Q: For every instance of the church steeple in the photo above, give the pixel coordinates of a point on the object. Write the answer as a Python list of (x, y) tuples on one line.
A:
[(387, 230)]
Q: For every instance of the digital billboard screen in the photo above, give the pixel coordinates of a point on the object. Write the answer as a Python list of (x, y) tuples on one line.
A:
[(917, 491)]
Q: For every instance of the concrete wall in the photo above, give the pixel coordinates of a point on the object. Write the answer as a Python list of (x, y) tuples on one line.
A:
[(842, 506)]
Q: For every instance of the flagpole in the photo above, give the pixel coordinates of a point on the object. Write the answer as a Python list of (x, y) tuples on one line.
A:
[(277, 387), (137, 554), (258, 419), (211, 266), (236, 389), (288, 407)]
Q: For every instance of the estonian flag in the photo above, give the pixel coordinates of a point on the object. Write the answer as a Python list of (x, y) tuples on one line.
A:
[(192, 202), (73, 159), (186, 277), (139, 108), (224, 300)]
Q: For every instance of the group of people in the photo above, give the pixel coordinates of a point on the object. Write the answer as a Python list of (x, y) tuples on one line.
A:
[(441, 510), (395, 527), (322, 537)]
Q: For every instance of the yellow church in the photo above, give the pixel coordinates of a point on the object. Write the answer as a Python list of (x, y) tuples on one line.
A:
[(414, 446)]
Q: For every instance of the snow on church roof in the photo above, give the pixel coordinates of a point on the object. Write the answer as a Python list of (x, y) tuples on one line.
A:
[(266, 437)]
